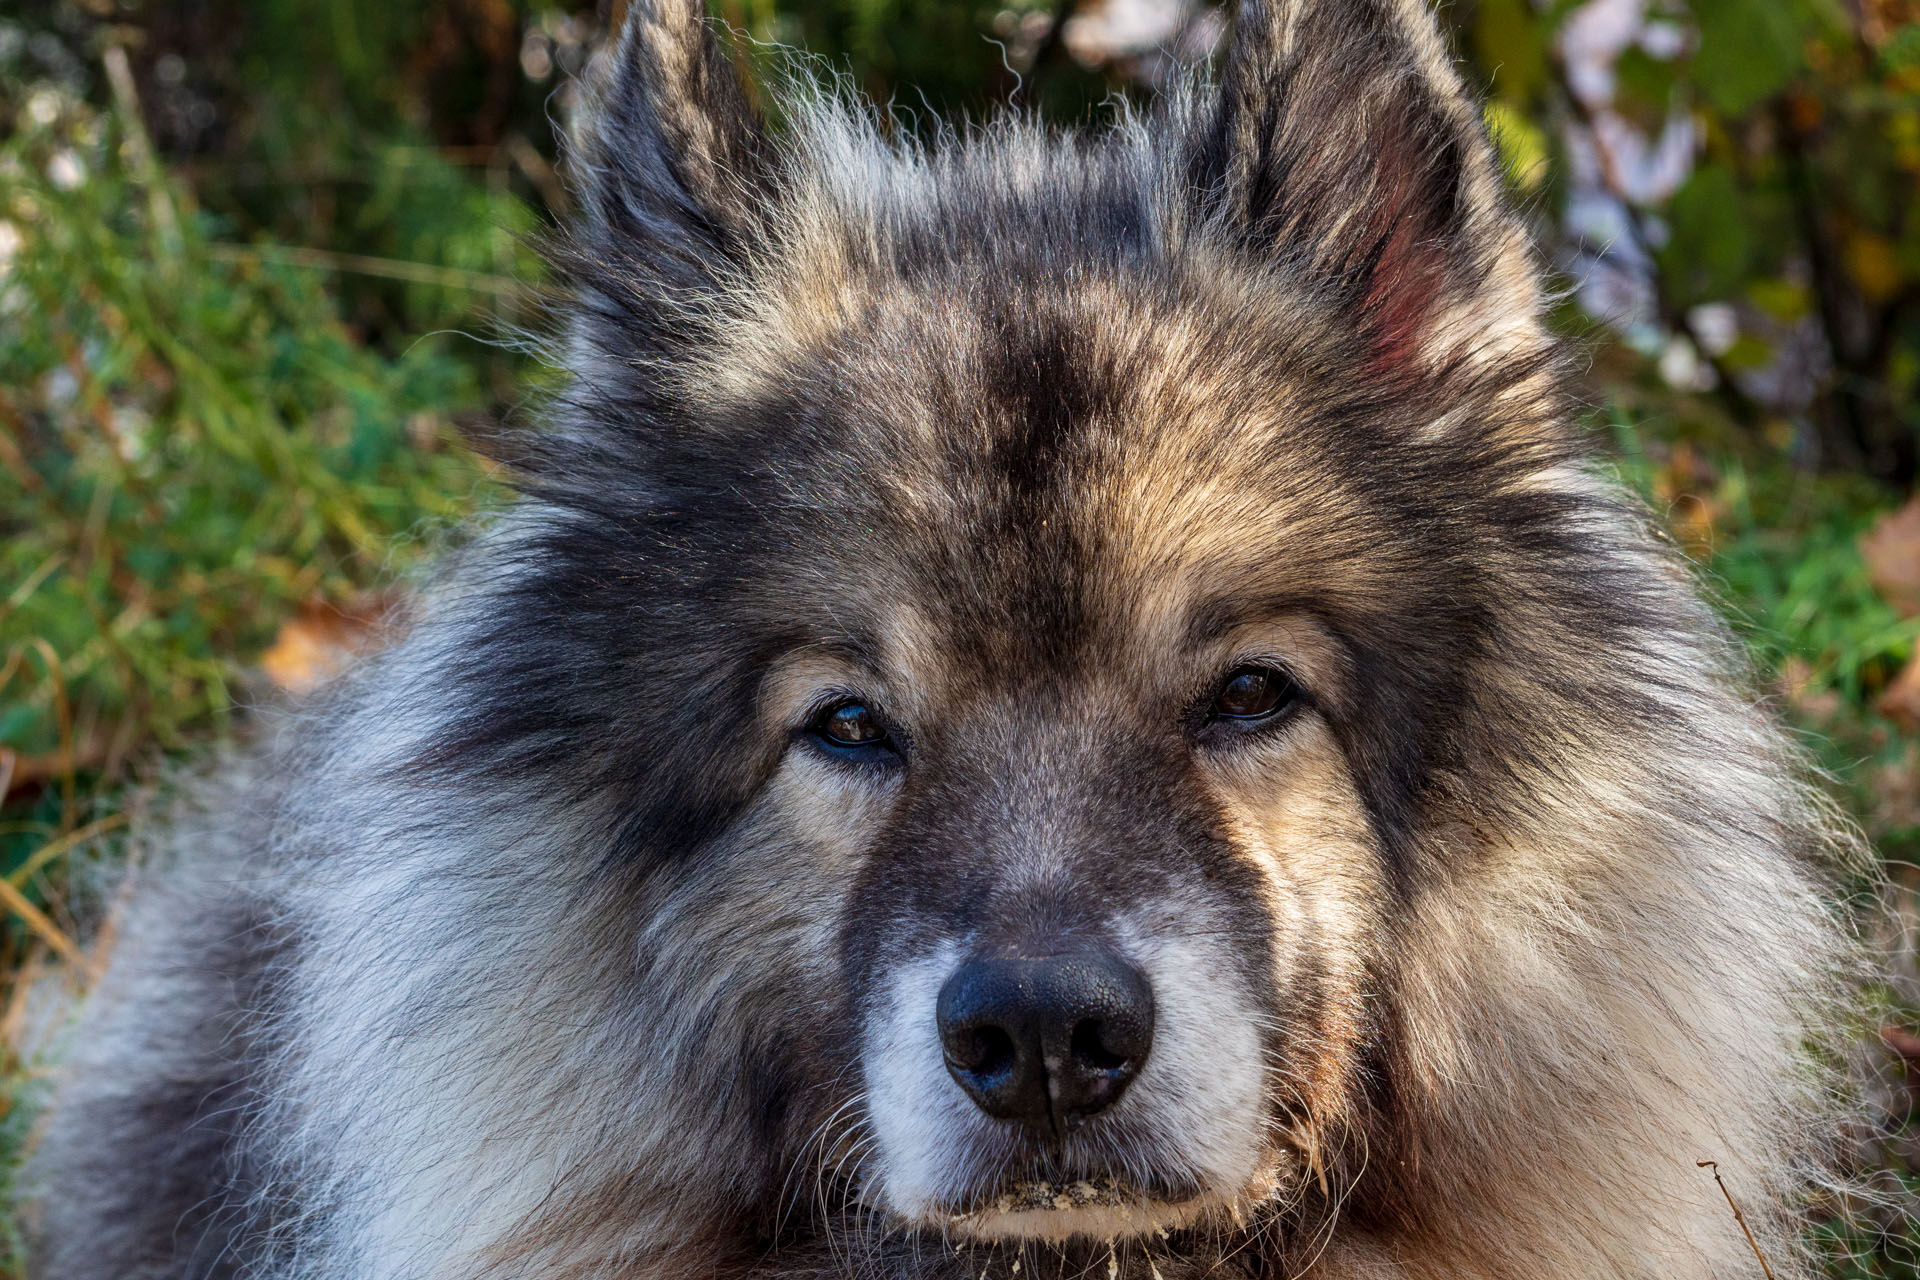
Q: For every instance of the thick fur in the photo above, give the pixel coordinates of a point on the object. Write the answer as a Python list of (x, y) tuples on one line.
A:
[(550, 943)]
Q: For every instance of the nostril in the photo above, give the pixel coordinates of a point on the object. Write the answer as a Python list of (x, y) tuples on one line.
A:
[(983, 1051), (1091, 1050)]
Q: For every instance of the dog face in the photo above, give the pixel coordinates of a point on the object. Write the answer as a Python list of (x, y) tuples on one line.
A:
[(1068, 723), (1029, 600)]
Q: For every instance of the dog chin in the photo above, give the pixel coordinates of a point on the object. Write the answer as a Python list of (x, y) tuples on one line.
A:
[(1087, 1209)]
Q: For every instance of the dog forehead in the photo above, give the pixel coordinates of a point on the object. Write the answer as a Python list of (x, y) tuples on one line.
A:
[(976, 384), (1060, 455), (1062, 476)]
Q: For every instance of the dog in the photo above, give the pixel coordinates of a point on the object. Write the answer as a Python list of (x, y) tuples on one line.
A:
[(1053, 704)]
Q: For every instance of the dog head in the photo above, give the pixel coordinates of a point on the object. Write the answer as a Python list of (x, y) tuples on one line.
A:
[(1037, 606)]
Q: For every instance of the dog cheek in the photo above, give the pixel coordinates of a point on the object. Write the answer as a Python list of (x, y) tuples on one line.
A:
[(1300, 825), (920, 1121), (1199, 1097), (749, 934)]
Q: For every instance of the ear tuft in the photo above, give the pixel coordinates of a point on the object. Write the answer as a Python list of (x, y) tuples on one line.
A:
[(1345, 145), (673, 157)]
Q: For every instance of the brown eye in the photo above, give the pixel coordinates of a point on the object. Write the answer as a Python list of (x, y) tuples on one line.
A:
[(1254, 693), (849, 725)]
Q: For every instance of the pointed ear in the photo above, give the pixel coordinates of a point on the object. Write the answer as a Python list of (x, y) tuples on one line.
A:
[(671, 156), (1344, 143)]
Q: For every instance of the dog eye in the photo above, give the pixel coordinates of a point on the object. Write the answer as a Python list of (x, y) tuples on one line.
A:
[(852, 727), (1252, 694)]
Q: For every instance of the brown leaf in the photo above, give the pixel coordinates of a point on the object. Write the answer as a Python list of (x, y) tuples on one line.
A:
[(1906, 1046), (1903, 1042), (1874, 263), (1900, 701), (1892, 552), (321, 639), (1686, 486), (1892, 793), (1812, 703), (1882, 20)]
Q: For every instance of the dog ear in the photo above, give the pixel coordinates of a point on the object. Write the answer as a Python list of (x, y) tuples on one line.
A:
[(672, 158), (1344, 143)]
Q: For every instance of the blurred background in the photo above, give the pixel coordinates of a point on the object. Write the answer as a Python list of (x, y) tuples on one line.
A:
[(262, 261)]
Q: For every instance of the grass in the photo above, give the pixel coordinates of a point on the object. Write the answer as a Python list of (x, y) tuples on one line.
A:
[(194, 450), (197, 451)]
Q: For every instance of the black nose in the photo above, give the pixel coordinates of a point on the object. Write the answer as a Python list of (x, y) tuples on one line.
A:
[(1049, 1040)]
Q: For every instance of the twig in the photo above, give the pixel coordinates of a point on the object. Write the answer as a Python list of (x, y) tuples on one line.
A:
[(361, 264), (146, 168), (1861, 345), (63, 763), (1829, 304), (31, 583), (1738, 1216), (37, 920), (54, 848), (539, 171), (16, 1015)]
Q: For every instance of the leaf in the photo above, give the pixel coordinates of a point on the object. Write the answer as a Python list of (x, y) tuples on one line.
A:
[(1521, 144), (1903, 1042), (1646, 80), (1508, 43), (1902, 51), (1813, 702), (1749, 51), (1748, 352), (320, 640), (17, 723), (1874, 263), (1709, 244), (1892, 552), (1900, 701), (1785, 300)]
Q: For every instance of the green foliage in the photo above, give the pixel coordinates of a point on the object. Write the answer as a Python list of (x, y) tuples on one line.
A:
[(1506, 42), (192, 446), (1707, 256), (1782, 553), (231, 450), (1748, 52), (1881, 1243), (1810, 169)]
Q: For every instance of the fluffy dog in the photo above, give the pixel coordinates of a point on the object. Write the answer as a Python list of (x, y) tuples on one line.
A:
[(1053, 702)]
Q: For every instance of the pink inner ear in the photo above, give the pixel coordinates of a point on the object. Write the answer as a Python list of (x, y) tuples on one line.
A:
[(1402, 297), (1411, 206)]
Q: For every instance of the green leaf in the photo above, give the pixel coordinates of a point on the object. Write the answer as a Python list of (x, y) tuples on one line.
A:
[(1783, 299), (1749, 51), (1510, 43), (1903, 50), (1748, 352), (1709, 244), (1522, 146), (17, 724), (1645, 80)]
